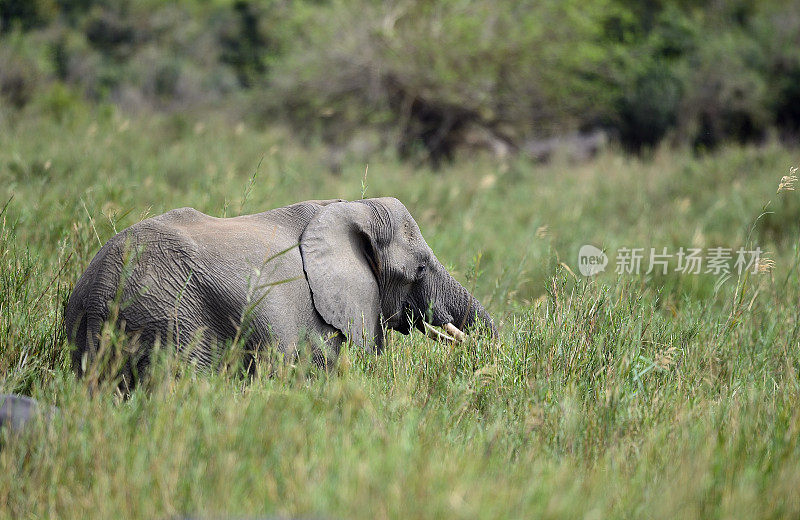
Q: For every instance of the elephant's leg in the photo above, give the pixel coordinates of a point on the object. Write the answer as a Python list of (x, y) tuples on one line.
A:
[(322, 344)]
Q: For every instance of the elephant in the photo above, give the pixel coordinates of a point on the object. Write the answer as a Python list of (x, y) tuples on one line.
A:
[(315, 273)]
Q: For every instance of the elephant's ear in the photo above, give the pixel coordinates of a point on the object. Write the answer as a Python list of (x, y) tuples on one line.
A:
[(339, 259)]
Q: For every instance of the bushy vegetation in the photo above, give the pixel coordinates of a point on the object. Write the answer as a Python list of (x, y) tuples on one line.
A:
[(611, 397), (425, 75)]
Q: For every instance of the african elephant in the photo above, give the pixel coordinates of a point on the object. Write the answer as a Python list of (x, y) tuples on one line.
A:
[(314, 273)]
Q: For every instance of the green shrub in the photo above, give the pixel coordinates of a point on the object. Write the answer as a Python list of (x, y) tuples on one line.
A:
[(429, 76), (25, 14), (20, 76), (726, 94)]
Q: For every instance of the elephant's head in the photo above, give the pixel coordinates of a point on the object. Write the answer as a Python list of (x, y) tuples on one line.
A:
[(369, 268)]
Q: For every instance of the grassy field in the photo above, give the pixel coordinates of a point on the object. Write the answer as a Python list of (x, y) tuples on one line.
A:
[(620, 396)]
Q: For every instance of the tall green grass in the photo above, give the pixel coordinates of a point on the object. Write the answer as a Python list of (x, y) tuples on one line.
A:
[(616, 396)]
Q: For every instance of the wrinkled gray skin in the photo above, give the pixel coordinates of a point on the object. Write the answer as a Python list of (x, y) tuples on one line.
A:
[(188, 279)]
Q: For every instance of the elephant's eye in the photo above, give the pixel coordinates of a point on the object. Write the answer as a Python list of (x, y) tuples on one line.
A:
[(420, 269)]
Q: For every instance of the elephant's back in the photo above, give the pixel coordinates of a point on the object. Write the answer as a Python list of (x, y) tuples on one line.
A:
[(237, 235), (188, 271), (149, 263), (159, 254), (187, 238)]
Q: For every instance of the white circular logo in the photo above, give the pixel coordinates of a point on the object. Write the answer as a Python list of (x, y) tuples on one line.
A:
[(591, 260)]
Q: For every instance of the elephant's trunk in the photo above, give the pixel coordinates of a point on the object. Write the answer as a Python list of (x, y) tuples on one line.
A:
[(474, 315), (454, 304)]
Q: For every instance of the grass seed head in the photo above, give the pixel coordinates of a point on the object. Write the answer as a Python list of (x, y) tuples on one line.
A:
[(765, 265), (788, 181)]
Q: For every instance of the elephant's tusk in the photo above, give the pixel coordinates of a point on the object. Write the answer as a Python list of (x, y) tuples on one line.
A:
[(451, 335), (453, 331), (435, 334)]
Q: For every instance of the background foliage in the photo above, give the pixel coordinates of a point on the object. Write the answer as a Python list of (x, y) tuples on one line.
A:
[(424, 73)]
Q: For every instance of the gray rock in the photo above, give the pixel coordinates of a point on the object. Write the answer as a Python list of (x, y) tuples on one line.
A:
[(575, 147), (16, 411)]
